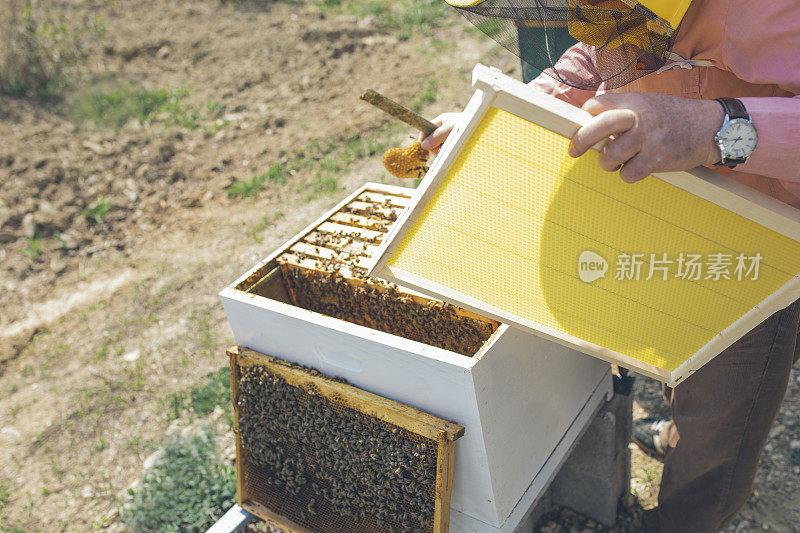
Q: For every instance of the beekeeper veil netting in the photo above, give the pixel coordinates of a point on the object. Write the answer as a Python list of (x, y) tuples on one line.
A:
[(627, 39)]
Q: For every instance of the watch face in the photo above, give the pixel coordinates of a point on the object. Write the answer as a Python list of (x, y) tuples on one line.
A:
[(739, 139)]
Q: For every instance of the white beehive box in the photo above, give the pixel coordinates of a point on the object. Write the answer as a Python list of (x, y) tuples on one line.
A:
[(523, 400)]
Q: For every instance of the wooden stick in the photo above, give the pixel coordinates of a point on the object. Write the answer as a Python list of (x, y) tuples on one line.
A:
[(399, 112)]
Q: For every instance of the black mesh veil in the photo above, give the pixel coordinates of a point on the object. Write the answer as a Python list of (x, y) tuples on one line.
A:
[(626, 41)]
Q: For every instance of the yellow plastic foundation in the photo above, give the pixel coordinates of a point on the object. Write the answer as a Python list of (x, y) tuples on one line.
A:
[(514, 213)]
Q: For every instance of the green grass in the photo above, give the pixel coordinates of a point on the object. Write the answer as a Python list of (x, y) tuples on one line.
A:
[(276, 175), (187, 490), (214, 112), (334, 158), (41, 47), (490, 27), (206, 330), (426, 96), (203, 398), (324, 161), (101, 445), (102, 353), (5, 493), (34, 248), (257, 233), (98, 210), (406, 17), (114, 102)]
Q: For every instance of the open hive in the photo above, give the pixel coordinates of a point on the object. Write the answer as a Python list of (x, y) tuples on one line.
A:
[(325, 272), (316, 454), (504, 391)]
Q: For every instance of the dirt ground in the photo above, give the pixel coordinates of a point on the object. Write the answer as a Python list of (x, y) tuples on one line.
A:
[(104, 318)]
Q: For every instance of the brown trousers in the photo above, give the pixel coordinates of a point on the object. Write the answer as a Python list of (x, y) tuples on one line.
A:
[(721, 419)]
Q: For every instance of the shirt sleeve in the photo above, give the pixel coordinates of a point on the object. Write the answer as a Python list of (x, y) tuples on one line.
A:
[(777, 153), (577, 60)]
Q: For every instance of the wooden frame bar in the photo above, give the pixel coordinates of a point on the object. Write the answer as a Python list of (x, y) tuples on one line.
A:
[(493, 89), (372, 193), (415, 421)]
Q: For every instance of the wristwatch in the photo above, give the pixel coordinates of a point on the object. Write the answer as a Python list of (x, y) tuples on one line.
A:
[(737, 137)]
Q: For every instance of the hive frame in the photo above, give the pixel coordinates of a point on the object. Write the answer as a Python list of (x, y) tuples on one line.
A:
[(444, 433), (257, 273), (493, 89)]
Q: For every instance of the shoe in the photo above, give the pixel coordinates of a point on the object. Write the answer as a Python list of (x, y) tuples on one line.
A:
[(647, 435)]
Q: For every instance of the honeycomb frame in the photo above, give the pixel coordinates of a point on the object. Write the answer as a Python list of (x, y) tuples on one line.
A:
[(387, 412), (526, 274)]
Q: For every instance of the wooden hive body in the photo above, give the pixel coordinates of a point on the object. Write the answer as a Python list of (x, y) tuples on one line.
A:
[(659, 276), (522, 400)]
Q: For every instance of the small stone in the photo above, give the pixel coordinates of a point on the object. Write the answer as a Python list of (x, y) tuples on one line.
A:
[(46, 215), (229, 454), (152, 459), (68, 240), (57, 265), (132, 356), (87, 492), (777, 430), (11, 431), (628, 500), (140, 172), (163, 52), (29, 226)]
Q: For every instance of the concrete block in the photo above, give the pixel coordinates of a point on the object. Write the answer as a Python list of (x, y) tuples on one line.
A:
[(597, 473)]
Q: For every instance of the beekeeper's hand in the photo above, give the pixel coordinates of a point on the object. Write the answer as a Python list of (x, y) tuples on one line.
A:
[(434, 141), (650, 133)]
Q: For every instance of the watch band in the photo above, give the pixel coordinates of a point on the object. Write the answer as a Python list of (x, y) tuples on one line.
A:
[(733, 108)]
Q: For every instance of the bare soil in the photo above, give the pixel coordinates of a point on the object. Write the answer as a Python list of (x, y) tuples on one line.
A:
[(107, 319)]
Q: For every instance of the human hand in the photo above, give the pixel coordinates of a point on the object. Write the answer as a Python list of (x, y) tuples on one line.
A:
[(649, 132), (434, 141)]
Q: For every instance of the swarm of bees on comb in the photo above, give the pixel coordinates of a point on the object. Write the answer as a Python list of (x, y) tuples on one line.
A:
[(335, 465), (410, 162), (383, 308), (325, 273)]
